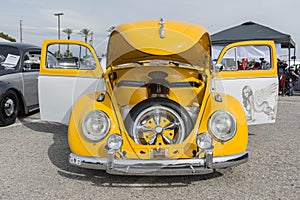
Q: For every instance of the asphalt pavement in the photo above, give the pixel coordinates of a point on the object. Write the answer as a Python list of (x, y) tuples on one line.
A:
[(34, 165)]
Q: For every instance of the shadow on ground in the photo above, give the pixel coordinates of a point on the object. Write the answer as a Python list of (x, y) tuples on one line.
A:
[(59, 151)]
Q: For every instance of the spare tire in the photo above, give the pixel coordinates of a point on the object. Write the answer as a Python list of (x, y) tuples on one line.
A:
[(158, 121)]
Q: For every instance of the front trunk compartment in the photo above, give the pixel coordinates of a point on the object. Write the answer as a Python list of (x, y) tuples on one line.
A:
[(175, 95)]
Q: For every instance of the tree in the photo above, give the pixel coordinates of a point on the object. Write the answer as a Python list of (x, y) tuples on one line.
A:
[(85, 33), (68, 54), (57, 54), (6, 37), (68, 31)]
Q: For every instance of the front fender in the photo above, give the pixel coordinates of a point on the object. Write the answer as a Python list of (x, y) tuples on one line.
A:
[(238, 143), (5, 86), (78, 143)]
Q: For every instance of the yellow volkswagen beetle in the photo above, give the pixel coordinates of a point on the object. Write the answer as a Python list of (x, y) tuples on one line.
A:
[(159, 106)]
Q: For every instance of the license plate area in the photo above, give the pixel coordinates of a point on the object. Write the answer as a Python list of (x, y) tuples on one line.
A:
[(159, 154)]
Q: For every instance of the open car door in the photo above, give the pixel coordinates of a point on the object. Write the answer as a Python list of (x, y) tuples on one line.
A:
[(248, 72), (68, 70)]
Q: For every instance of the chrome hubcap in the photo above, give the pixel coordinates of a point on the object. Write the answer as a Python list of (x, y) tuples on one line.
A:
[(159, 129), (9, 107), (158, 125)]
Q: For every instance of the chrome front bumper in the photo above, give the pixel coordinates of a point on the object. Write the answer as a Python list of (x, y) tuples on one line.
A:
[(192, 166)]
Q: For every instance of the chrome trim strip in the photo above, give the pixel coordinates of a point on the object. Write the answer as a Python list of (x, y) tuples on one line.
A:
[(159, 167)]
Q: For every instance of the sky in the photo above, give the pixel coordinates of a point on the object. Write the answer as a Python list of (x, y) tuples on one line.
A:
[(39, 22)]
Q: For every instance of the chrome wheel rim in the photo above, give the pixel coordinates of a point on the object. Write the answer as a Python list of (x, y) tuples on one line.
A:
[(158, 125), (9, 107)]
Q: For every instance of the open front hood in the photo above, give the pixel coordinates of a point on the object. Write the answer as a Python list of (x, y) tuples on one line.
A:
[(158, 39)]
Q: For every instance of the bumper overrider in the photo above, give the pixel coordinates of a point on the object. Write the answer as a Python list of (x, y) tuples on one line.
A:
[(193, 166)]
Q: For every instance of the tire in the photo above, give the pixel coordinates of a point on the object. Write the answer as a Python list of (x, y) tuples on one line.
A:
[(158, 121), (9, 108)]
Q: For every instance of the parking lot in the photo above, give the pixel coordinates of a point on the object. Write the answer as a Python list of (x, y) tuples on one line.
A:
[(34, 165)]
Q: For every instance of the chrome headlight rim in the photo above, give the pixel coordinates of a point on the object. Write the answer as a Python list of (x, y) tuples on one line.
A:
[(204, 141), (86, 129), (223, 137), (116, 139)]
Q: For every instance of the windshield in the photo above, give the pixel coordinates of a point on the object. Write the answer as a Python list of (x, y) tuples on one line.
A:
[(9, 57)]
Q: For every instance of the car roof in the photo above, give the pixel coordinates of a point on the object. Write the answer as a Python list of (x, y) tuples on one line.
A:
[(20, 46)]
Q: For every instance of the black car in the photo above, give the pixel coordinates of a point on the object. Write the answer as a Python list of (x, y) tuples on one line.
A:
[(19, 69)]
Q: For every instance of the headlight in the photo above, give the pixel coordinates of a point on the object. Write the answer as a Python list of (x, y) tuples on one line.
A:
[(114, 142), (204, 141), (222, 125), (95, 125)]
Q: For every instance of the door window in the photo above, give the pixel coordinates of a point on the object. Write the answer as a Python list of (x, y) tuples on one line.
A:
[(70, 56), (32, 61), (251, 57)]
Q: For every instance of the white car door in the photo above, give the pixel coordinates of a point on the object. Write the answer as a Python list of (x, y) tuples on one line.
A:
[(249, 73), (71, 70)]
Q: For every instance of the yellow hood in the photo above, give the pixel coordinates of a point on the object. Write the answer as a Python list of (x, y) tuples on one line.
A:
[(155, 39)]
